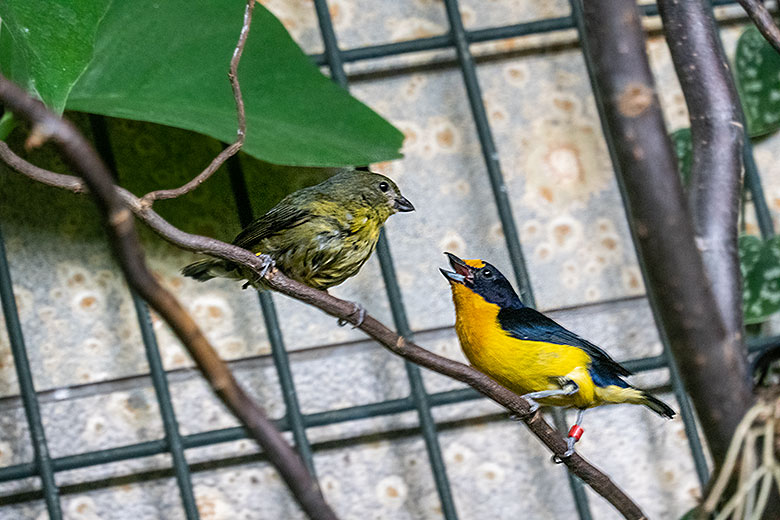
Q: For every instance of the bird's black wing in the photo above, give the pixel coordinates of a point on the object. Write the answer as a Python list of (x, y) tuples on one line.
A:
[(530, 324), (280, 218)]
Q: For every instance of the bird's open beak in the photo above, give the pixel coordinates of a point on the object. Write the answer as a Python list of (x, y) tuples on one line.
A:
[(402, 204), (462, 274)]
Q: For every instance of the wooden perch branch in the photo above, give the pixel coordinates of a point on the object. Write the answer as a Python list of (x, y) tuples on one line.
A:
[(710, 359), (761, 16), (233, 149), (345, 310), (128, 250)]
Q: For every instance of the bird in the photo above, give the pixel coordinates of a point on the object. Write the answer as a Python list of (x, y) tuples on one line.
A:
[(319, 235), (532, 355)]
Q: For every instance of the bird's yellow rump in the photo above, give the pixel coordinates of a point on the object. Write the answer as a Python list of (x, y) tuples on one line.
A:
[(320, 235), (530, 353)]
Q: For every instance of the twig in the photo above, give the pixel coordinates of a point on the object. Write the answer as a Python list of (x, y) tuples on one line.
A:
[(761, 16), (345, 310), (231, 150), (679, 290), (126, 245), (50, 178)]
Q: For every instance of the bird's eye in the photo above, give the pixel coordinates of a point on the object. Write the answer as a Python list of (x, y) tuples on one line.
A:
[(487, 273), (384, 186)]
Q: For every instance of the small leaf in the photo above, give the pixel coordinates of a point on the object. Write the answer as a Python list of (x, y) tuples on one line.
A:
[(760, 264), (7, 124), (167, 62), (46, 44), (683, 148), (693, 514), (757, 67)]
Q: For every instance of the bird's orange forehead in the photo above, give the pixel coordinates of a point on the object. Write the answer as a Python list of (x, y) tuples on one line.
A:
[(475, 263)]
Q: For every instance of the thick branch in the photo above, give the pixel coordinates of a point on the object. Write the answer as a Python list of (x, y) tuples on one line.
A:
[(233, 149), (129, 252), (345, 310), (717, 136), (761, 16), (711, 361)]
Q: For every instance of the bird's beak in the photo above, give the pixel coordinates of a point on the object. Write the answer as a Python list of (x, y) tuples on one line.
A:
[(462, 274), (402, 204)]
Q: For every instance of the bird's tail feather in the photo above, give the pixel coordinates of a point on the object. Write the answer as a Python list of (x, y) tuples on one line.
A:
[(203, 270), (658, 406)]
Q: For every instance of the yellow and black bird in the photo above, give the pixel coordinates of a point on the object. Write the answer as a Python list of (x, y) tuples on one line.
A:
[(531, 354), (320, 235)]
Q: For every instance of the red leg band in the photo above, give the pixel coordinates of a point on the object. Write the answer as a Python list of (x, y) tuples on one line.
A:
[(576, 432)]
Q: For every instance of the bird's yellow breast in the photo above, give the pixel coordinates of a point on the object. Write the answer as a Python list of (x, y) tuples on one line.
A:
[(523, 366)]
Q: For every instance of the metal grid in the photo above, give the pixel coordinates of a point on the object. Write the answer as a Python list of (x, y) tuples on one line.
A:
[(45, 467)]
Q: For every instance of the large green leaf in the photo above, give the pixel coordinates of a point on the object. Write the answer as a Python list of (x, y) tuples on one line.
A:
[(757, 67), (167, 62), (46, 44), (683, 148), (760, 264)]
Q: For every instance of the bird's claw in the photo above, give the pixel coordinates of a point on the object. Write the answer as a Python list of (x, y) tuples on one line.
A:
[(268, 264), (360, 311), (533, 405), (566, 454), (569, 447), (556, 459)]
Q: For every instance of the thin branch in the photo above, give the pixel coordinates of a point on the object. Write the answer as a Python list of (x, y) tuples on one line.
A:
[(761, 16), (128, 250), (711, 360), (50, 178), (233, 149), (345, 310)]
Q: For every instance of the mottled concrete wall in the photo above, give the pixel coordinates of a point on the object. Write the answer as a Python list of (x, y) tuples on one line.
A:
[(88, 360)]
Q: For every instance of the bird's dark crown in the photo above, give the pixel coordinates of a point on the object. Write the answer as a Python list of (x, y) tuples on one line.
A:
[(483, 279)]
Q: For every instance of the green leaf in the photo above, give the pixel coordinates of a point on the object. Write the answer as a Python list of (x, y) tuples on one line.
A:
[(760, 264), (46, 44), (683, 148), (7, 125), (167, 62), (693, 514), (757, 67)]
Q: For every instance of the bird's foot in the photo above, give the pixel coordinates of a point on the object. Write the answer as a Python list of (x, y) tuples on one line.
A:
[(532, 407), (569, 447), (575, 433), (360, 311), (268, 264), (532, 404), (558, 459)]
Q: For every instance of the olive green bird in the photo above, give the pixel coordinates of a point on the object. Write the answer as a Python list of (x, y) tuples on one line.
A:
[(320, 235)]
